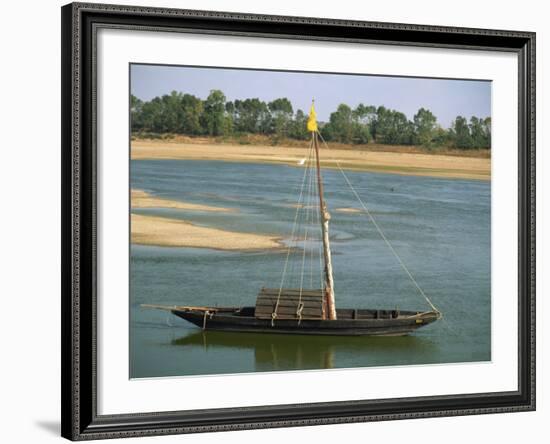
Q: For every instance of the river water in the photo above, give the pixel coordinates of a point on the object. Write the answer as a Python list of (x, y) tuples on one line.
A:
[(440, 228)]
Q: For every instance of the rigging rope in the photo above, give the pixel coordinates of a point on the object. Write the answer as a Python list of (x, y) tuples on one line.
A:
[(320, 243), (307, 213), (413, 280), (274, 314), (310, 211), (312, 214)]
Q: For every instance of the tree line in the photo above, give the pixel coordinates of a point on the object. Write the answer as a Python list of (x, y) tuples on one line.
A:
[(186, 114)]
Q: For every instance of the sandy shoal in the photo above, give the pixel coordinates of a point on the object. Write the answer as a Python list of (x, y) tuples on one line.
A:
[(164, 232), (142, 199), (384, 162), (349, 210)]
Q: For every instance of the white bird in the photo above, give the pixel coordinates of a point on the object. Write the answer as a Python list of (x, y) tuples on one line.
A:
[(302, 161)]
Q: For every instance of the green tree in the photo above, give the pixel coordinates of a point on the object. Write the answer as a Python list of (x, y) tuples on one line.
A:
[(298, 128), (227, 125), (265, 120), (149, 111), (340, 127), (365, 114), (250, 115), (392, 127), (281, 116), (213, 115), (363, 121), (189, 116), (425, 126), (460, 134), (480, 131), (170, 113), (186, 114), (360, 133), (486, 125), (441, 137), (136, 113), (230, 108)]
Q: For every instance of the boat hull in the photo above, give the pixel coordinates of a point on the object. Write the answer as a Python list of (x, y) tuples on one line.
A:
[(401, 324)]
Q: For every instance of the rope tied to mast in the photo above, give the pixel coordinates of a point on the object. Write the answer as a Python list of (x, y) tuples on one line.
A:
[(306, 170), (206, 313), (299, 311)]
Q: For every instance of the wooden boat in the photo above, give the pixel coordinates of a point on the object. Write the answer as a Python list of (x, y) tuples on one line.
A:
[(349, 322), (310, 311)]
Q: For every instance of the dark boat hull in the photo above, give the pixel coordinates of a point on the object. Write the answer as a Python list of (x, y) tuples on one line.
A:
[(350, 322)]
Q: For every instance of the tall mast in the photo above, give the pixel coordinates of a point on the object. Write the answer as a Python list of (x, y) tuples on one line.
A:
[(325, 217)]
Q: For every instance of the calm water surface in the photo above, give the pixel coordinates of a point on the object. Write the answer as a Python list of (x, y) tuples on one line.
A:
[(440, 228)]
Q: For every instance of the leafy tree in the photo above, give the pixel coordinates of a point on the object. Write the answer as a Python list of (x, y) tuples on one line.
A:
[(425, 125), (191, 109), (251, 116), (298, 128), (364, 118), (486, 126), (265, 120), (460, 133), (170, 113), (476, 132), (227, 125), (152, 115), (281, 115), (187, 114), (136, 113), (365, 115), (340, 127), (392, 127), (230, 108), (361, 133), (441, 137), (213, 115), (480, 130), (175, 113)]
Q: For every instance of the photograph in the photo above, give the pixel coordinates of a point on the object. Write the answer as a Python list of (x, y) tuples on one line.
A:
[(298, 221)]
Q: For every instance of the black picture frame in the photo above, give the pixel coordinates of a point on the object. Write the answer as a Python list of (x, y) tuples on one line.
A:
[(79, 171)]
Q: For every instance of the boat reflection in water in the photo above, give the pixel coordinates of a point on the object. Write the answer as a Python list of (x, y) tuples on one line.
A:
[(277, 352)]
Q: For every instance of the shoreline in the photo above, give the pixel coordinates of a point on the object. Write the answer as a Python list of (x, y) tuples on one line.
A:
[(143, 199), (402, 163), (166, 232)]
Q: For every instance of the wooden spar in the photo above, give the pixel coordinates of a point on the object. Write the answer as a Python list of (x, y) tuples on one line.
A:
[(325, 217)]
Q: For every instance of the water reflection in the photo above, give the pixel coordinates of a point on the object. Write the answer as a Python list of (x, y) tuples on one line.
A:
[(297, 352)]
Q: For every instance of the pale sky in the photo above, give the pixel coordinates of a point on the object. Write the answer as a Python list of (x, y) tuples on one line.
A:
[(445, 98)]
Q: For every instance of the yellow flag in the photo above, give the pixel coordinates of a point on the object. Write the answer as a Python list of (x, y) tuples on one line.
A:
[(312, 120)]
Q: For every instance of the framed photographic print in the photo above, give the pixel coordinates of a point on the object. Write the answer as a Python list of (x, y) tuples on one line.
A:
[(277, 221)]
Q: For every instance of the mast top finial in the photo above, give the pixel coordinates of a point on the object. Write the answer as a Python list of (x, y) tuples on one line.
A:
[(312, 119)]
